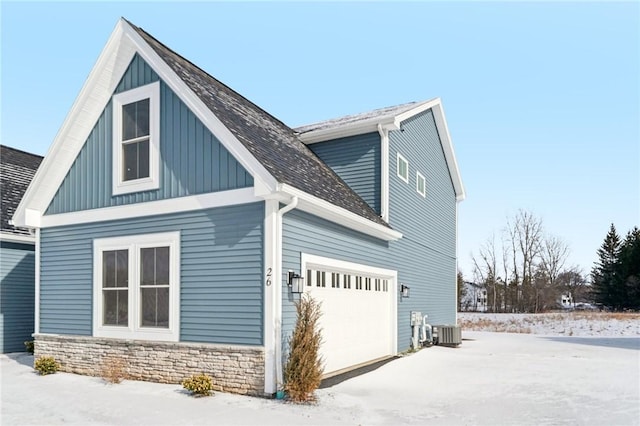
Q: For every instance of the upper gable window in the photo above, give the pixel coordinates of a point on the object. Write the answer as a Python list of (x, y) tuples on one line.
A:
[(136, 139), (403, 168), (421, 186)]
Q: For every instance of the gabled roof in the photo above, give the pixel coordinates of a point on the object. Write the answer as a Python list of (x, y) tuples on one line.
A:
[(283, 168), (274, 144), (16, 172), (389, 118)]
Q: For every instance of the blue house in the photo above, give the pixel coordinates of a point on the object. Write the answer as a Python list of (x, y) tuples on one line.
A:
[(17, 252), (171, 215)]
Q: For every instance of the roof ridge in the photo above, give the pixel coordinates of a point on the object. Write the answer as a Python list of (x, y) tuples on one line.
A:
[(207, 73)]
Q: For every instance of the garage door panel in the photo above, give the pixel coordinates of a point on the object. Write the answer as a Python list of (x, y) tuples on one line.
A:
[(357, 323)]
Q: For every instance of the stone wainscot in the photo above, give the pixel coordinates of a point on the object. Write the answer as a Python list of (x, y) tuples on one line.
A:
[(234, 368)]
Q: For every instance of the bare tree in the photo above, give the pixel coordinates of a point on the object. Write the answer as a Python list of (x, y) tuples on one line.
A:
[(525, 236), (484, 269)]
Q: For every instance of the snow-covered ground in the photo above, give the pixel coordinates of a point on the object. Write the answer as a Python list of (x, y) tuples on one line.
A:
[(598, 324), (492, 378)]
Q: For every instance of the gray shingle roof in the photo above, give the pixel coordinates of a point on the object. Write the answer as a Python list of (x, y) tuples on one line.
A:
[(271, 142), (354, 118), (16, 171)]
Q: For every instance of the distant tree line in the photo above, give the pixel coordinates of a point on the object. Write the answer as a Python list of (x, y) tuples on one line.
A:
[(615, 278), (525, 270)]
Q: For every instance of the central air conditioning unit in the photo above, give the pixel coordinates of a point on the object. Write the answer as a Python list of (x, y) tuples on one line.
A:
[(448, 335)]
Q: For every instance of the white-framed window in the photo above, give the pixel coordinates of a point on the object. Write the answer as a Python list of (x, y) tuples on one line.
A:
[(421, 184), (136, 139), (403, 168), (136, 287)]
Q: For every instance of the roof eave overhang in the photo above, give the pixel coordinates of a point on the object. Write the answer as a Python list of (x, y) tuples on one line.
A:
[(17, 238), (326, 210)]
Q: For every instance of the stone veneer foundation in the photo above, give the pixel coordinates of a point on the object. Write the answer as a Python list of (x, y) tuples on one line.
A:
[(236, 369)]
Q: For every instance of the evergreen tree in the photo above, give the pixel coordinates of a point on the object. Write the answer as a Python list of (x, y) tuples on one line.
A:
[(629, 270), (606, 288)]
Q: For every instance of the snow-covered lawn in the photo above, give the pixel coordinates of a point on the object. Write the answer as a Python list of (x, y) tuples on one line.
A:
[(555, 324), (492, 378)]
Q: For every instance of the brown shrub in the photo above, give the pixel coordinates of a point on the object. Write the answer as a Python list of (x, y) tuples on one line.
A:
[(113, 369), (303, 370)]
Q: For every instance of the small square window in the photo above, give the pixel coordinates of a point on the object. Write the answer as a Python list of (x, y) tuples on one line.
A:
[(403, 168), (421, 185)]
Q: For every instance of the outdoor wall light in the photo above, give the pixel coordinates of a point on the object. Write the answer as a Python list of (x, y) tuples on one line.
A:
[(404, 291), (296, 282)]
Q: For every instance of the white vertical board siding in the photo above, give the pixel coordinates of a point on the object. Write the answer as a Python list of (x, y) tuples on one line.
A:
[(221, 273)]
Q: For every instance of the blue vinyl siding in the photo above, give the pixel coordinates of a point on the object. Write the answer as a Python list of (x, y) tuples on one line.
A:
[(424, 257), (356, 159), (17, 291), (428, 223), (221, 270), (192, 160)]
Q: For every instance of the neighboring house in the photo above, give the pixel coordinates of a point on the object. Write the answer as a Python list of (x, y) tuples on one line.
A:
[(171, 211), (475, 297), (566, 301), (17, 252)]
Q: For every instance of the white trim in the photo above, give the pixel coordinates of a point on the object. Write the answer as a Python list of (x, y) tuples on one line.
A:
[(153, 208), (333, 213), (420, 177), (15, 238), (309, 261), (151, 92), (393, 122), (133, 244), (36, 313), (272, 317), (384, 172), (399, 158), (97, 91)]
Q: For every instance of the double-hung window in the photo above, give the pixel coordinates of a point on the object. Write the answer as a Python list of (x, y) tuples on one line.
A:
[(137, 287), (136, 117)]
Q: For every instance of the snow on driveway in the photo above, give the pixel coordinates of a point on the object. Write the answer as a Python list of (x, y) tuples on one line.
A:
[(493, 378)]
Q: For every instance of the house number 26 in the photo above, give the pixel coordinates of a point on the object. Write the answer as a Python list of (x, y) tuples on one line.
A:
[(269, 273)]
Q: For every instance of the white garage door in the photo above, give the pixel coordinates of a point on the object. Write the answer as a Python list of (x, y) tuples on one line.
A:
[(358, 310)]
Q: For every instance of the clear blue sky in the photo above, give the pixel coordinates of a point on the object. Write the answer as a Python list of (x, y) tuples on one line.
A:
[(542, 99)]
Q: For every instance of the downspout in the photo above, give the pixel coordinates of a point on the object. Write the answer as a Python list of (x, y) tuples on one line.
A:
[(278, 282)]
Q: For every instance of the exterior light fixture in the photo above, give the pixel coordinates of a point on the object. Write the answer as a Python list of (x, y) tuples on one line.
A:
[(296, 282), (404, 291)]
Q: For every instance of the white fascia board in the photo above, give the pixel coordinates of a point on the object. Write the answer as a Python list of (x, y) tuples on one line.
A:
[(445, 139), (351, 129), (153, 208), (93, 97), (449, 154), (333, 213), (15, 238), (103, 79)]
